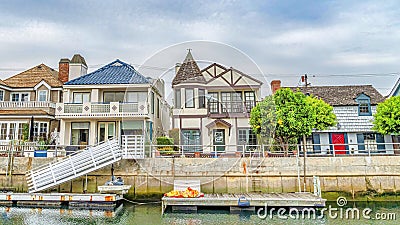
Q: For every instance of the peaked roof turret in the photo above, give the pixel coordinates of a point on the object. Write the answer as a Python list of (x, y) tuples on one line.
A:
[(116, 72), (188, 72)]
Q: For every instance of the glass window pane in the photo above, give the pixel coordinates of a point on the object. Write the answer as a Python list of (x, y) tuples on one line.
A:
[(189, 95), (109, 96), (85, 97), (1, 95), (42, 96), (119, 96), (15, 97), (77, 97), (178, 98), (202, 98), (24, 97), (142, 96)]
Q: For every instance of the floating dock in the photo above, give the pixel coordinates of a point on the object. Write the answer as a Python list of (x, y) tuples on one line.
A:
[(57, 200), (244, 202)]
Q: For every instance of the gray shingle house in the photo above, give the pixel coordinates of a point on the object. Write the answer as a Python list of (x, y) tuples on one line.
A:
[(354, 107)]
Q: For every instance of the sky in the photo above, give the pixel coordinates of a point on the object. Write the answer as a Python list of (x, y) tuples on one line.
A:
[(334, 42)]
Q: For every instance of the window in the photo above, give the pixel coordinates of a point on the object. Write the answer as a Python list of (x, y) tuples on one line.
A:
[(1, 95), (213, 102), (232, 102), (115, 96), (80, 134), (364, 105), (3, 131), (250, 100), (42, 96), (20, 133), (246, 137), (135, 96), (19, 97), (132, 128), (202, 98), (189, 98), (371, 141), (11, 135), (191, 137), (40, 130), (178, 98), (81, 97), (152, 102)]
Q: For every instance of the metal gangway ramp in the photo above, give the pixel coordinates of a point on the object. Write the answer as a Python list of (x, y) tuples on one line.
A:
[(73, 166)]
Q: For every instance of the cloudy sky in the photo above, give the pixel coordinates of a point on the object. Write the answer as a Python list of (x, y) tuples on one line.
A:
[(335, 42)]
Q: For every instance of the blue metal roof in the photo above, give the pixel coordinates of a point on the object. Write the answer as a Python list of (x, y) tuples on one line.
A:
[(116, 72)]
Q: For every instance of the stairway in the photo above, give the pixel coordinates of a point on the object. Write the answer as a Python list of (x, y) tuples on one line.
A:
[(73, 166)]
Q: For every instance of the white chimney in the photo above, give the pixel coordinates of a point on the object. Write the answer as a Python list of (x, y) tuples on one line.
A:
[(77, 67)]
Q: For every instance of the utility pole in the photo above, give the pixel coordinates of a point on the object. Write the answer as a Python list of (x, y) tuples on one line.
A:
[(305, 80)]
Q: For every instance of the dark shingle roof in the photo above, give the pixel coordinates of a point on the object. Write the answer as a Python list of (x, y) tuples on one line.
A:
[(33, 76), (342, 95), (116, 72), (188, 72)]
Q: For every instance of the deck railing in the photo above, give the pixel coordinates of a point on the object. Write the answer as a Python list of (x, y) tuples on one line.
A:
[(28, 104), (101, 109), (133, 146)]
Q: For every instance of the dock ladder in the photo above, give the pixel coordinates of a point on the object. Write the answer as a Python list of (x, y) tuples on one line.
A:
[(73, 166)]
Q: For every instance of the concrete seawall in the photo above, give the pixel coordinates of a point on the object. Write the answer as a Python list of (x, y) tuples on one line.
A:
[(357, 177)]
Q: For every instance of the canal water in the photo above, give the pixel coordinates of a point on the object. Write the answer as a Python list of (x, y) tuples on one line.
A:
[(375, 213)]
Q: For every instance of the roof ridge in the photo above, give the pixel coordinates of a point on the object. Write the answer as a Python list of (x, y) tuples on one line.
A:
[(32, 68)]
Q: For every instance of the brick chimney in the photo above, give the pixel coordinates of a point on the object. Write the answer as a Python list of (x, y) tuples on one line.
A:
[(63, 70), (275, 85)]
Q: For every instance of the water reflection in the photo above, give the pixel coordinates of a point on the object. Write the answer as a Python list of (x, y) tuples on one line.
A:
[(151, 214)]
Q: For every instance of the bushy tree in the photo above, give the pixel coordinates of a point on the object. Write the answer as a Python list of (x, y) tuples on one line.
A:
[(287, 116), (387, 116)]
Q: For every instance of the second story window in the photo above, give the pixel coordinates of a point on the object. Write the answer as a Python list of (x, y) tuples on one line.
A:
[(42, 96), (213, 102), (81, 97), (114, 96), (1, 95), (178, 99), (202, 98), (19, 97), (189, 98), (249, 100), (136, 96), (364, 105)]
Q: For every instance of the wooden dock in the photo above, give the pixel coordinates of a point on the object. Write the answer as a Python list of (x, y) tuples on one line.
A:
[(55, 200), (246, 201)]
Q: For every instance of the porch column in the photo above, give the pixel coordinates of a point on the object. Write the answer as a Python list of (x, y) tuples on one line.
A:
[(63, 132), (92, 133)]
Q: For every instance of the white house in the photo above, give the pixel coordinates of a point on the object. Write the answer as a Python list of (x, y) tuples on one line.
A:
[(212, 106), (113, 101)]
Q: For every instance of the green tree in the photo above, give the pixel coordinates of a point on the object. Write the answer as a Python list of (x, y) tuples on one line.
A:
[(287, 116), (387, 116)]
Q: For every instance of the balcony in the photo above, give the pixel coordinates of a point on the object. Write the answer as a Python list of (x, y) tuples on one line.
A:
[(101, 109), (229, 109), (19, 105)]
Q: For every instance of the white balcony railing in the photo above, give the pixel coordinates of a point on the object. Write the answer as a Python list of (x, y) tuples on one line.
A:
[(101, 109), (35, 104)]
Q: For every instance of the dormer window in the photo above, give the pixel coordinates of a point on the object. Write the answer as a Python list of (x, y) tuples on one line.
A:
[(364, 105), (42, 96)]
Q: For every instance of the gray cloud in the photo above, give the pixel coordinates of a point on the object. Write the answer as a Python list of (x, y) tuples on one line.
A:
[(285, 38)]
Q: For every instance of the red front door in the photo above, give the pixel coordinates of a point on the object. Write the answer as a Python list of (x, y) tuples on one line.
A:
[(338, 143)]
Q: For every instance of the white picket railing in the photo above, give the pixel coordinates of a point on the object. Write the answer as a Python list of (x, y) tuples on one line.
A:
[(73, 166), (28, 104)]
